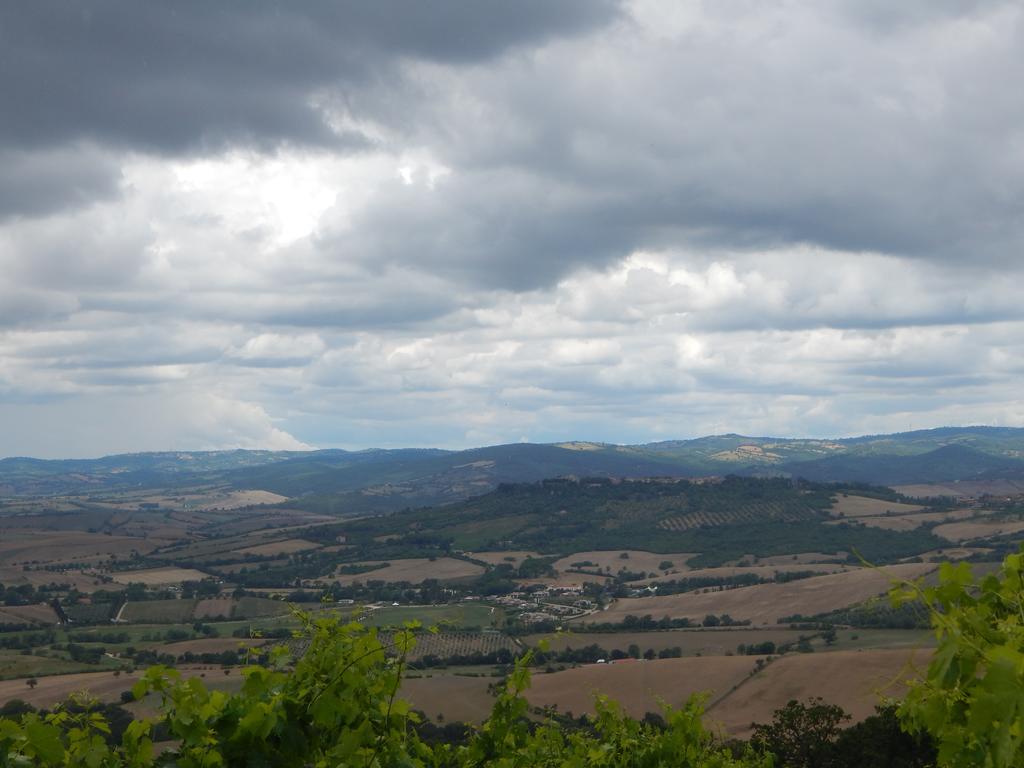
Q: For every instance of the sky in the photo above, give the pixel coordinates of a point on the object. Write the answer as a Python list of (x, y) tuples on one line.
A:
[(285, 225)]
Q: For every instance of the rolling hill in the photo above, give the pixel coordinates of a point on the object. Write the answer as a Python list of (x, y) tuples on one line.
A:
[(378, 480)]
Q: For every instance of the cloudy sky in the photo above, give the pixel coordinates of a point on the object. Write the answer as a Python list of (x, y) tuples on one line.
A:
[(274, 224)]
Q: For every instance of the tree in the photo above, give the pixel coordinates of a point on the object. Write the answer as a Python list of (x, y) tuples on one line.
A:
[(801, 735), (879, 742), (972, 699), (32, 683)]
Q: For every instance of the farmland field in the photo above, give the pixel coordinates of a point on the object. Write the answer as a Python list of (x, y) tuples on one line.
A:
[(863, 506), (953, 553), (211, 645), (636, 560), (446, 644), (42, 615), (416, 571), (455, 697), (14, 668), (994, 487), (158, 611), (637, 684), (239, 499), (761, 571), (799, 558), (83, 581), (459, 615), (691, 642), (497, 558), (258, 607), (977, 529), (105, 686), (213, 607), (285, 547), (159, 576), (44, 546), (766, 603), (748, 513), (914, 520), (855, 681)]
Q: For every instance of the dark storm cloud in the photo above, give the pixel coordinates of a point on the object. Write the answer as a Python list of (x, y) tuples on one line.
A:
[(39, 183), (756, 128), (172, 76)]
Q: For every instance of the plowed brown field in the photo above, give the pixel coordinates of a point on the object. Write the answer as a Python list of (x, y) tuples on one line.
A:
[(637, 685), (766, 603), (854, 680)]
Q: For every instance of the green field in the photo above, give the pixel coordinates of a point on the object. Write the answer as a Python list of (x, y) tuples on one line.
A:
[(862, 639), (159, 611), (14, 665), (259, 607)]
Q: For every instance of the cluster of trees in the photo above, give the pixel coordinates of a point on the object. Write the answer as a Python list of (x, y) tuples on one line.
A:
[(875, 614), (589, 654), (27, 640), (27, 594), (811, 735)]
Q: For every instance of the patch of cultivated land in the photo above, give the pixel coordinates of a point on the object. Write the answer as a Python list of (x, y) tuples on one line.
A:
[(53, 689), (257, 607), (977, 529), (457, 615), (27, 614), (237, 567), (761, 571), (456, 697), (638, 685), (566, 580), (801, 558), (286, 547), (499, 558), (415, 570), (447, 644), (764, 604), (14, 666), (995, 487), (862, 506), (158, 611), (239, 499), (211, 645), (854, 680), (636, 561), (914, 520), (159, 576), (953, 553), (691, 642), (45, 546), (212, 607), (83, 582), (270, 519)]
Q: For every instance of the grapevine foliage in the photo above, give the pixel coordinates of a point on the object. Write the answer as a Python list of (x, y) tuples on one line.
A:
[(972, 699)]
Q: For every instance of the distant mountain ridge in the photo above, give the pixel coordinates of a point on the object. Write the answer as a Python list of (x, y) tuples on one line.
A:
[(383, 479)]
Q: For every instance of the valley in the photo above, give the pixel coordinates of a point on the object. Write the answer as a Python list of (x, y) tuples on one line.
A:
[(750, 589)]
